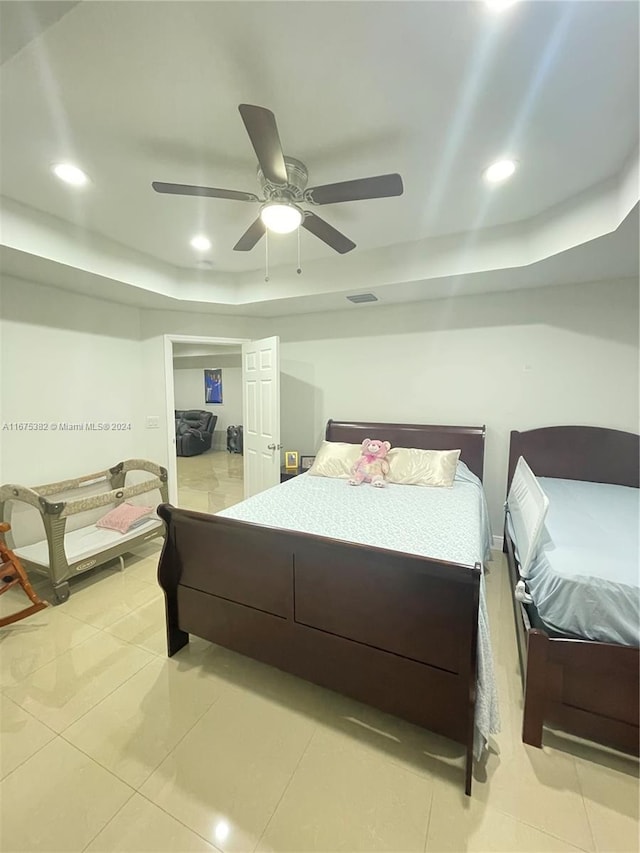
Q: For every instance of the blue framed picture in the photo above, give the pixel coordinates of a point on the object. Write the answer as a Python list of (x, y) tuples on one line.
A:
[(213, 385)]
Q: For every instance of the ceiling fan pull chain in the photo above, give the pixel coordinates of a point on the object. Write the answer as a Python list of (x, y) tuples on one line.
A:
[(299, 270), (266, 254)]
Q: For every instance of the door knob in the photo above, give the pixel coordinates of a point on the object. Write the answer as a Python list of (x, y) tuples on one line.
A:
[(271, 447)]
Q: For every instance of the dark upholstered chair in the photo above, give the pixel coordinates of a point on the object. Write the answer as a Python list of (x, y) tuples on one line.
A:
[(194, 431)]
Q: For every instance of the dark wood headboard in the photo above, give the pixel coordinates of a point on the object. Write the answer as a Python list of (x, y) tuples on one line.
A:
[(469, 440), (593, 454)]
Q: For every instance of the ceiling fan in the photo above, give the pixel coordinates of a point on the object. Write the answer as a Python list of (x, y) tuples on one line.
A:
[(283, 183)]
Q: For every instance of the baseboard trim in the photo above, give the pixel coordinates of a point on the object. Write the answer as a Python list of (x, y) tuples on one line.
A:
[(498, 542)]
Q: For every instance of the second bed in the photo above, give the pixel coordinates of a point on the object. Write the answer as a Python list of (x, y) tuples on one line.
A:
[(572, 545)]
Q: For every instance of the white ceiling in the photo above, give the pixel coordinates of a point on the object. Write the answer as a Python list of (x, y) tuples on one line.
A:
[(142, 91), (613, 256), (22, 22)]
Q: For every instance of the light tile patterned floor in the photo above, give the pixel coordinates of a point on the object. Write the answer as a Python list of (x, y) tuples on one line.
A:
[(211, 481), (106, 745)]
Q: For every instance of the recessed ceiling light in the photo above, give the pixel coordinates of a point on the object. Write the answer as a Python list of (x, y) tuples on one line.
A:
[(222, 830), (499, 5), (201, 243), (499, 171), (70, 174)]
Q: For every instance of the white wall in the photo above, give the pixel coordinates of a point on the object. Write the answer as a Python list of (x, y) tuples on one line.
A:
[(518, 360), (556, 355), (154, 323), (188, 380), (66, 358), (71, 358)]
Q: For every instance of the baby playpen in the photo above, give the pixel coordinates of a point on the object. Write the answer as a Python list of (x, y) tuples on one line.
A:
[(55, 524)]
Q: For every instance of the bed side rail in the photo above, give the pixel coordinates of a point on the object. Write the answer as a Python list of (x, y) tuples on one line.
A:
[(527, 506)]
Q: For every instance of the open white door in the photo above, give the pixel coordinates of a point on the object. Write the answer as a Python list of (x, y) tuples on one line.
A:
[(261, 398)]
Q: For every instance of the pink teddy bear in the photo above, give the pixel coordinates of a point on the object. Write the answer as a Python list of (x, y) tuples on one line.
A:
[(372, 466)]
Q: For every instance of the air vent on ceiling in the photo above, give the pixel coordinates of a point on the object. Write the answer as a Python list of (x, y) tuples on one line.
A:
[(362, 297)]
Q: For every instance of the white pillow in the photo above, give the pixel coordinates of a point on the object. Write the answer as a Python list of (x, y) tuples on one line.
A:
[(335, 459), (409, 466)]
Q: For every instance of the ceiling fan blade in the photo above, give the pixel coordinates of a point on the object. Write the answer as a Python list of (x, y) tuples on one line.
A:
[(209, 192), (327, 233), (251, 236), (382, 186), (263, 133)]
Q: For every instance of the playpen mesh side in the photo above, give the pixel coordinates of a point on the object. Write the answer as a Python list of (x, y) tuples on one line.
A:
[(55, 508)]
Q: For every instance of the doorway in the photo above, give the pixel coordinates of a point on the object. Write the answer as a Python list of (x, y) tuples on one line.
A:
[(204, 397)]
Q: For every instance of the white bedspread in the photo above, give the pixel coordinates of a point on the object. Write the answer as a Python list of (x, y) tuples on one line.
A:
[(445, 524)]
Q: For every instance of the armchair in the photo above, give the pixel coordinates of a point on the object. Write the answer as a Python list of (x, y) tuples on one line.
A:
[(194, 431)]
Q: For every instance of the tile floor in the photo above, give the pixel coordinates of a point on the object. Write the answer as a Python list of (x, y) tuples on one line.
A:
[(211, 481), (106, 745)]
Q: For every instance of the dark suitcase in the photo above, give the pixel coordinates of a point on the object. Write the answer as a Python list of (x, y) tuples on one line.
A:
[(234, 439)]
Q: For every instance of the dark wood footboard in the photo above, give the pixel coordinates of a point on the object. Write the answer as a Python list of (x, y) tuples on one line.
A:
[(586, 688), (393, 630)]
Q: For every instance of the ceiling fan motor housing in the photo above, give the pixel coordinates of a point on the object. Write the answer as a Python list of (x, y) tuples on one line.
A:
[(293, 190)]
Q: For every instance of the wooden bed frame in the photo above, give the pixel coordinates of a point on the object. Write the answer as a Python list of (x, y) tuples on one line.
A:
[(586, 688), (394, 630)]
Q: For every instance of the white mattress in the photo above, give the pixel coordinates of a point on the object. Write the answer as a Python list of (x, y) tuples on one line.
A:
[(84, 543), (445, 524), (584, 579)]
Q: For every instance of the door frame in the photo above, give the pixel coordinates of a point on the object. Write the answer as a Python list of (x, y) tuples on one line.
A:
[(170, 397)]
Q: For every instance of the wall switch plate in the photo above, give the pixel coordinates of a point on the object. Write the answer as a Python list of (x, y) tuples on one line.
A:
[(153, 422)]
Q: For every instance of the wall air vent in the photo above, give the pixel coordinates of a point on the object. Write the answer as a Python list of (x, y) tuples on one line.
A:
[(362, 297)]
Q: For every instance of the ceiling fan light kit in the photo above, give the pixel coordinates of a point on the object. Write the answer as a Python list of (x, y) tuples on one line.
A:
[(283, 182), (281, 217)]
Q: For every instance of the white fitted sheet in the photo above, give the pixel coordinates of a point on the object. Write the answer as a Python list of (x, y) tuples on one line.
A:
[(445, 524), (585, 578)]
